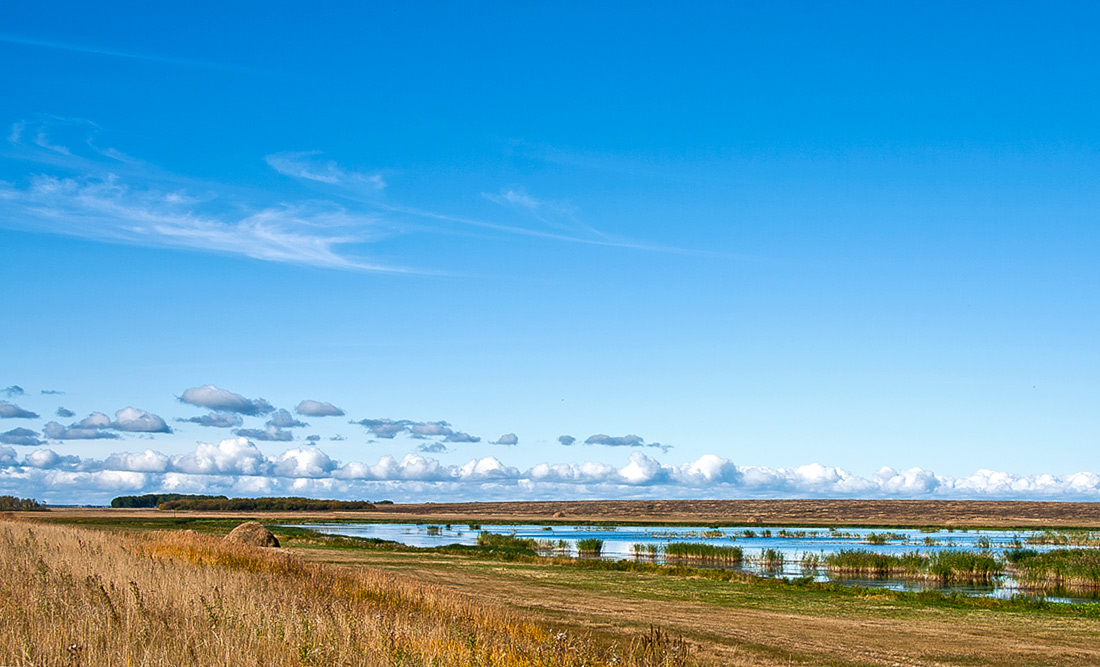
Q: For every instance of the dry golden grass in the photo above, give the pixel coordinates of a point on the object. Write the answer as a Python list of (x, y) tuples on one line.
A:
[(72, 596)]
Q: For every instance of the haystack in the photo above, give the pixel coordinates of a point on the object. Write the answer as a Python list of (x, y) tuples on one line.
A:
[(252, 532)]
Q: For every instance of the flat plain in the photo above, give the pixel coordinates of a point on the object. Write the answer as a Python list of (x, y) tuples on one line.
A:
[(825, 512), (736, 620)]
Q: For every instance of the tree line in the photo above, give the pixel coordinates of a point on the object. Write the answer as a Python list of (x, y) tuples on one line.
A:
[(13, 504)]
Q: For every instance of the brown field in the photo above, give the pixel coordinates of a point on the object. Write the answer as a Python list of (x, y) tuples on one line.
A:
[(948, 513), (74, 596), (747, 624), (165, 597)]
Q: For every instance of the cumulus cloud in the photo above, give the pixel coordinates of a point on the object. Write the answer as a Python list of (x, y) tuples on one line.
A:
[(269, 434), (566, 440), (47, 458), (21, 436), (12, 411), (238, 467), (306, 462), (508, 439), (389, 428), (91, 427), (429, 429), (432, 447), (310, 408), (51, 392), (313, 438), (623, 441), (231, 456), (65, 413), (134, 420), (382, 428), (146, 461), (283, 419), (216, 420), (459, 436), (14, 390), (221, 400)]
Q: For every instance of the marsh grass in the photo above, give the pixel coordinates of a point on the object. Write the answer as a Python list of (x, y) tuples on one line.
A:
[(702, 554), (72, 596), (590, 546), (1074, 570), (941, 566)]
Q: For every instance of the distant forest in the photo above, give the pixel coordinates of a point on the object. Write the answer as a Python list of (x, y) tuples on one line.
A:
[(155, 499), (13, 504), (260, 504)]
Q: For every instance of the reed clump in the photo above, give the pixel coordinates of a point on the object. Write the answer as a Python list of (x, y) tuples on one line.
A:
[(1074, 570), (75, 596), (505, 542), (590, 546), (941, 566), (702, 554)]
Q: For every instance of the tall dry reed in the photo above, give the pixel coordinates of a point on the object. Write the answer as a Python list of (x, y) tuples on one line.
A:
[(73, 596)]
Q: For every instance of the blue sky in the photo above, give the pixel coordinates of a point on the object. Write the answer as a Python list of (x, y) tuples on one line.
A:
[(730, 250)]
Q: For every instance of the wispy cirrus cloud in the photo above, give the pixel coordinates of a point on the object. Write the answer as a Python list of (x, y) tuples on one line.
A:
[(102, 194), (127, 55), (106, 208), (308, 165)]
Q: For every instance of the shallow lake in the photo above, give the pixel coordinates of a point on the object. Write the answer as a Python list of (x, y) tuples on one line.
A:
[(791, 542)]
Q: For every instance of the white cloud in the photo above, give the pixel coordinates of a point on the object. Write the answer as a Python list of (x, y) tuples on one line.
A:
[(10, 410), (214, 398), (90, 428), (146, 461), (216, 420), (643, 470), (139, 421), (237, 466), (47, 458), (283, 419), (232, 456), (311, 408), (21, 436), (270, 434), (306, 462)]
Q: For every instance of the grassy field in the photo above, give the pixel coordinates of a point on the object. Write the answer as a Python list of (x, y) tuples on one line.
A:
[(76, 596), (513, 605)]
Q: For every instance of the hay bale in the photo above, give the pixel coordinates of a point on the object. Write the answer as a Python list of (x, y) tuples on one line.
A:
[(252, 532)]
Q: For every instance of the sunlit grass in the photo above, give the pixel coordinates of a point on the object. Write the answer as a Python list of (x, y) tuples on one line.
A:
[(73, 596)]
